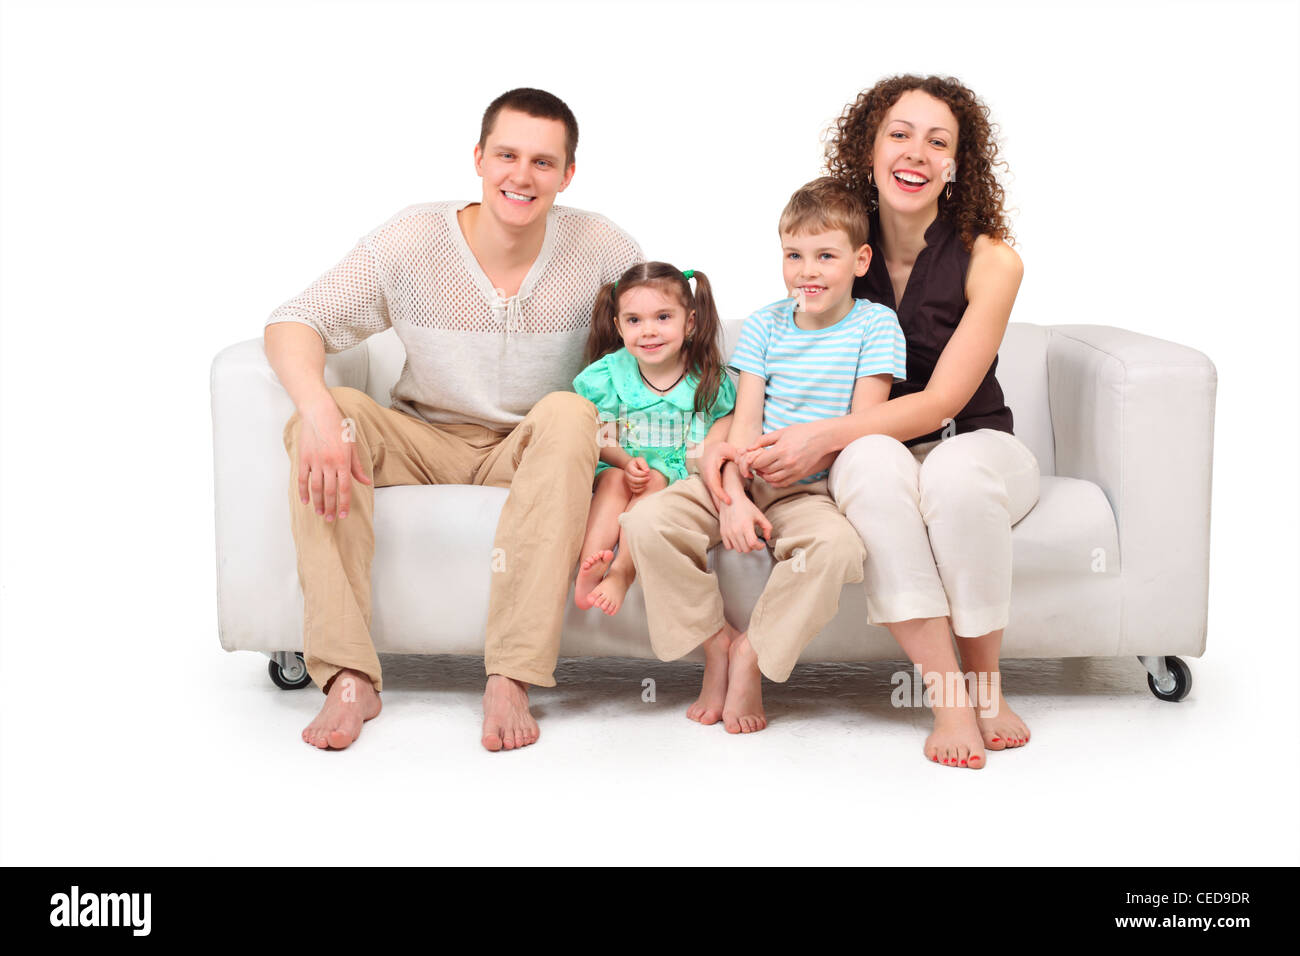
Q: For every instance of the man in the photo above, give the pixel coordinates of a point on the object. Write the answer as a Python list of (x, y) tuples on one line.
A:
[(492, 301)]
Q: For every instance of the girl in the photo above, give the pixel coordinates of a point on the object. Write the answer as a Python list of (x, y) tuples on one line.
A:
[(655, 375), (933, 479)]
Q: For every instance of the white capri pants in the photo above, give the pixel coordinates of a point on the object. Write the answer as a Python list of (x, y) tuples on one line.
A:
[(936, 522)]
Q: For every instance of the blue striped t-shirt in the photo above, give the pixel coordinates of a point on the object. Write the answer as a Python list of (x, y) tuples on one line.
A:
[(810, 373)]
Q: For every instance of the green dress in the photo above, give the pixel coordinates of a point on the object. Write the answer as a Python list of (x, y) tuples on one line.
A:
[(662, 429)]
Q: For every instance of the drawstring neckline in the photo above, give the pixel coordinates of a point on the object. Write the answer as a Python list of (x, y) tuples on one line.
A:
[(509, 310)]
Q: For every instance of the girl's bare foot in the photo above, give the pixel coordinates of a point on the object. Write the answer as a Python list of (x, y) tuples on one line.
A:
[(608, 594), (590, 572), (742, 712), (351, 701), (713, 692), (956, 740)]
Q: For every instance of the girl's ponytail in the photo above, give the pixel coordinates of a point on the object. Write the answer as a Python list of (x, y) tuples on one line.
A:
[(603, 336), (703, 351)]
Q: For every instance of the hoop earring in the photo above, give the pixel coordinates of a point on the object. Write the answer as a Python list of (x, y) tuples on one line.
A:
[(947, 193)]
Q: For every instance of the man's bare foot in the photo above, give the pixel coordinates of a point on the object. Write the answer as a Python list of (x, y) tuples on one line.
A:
[(742, 713), (351, 701), (609, 594), (593, 568), (507, 724), (955, 741), (713, 692), (1000, 727)]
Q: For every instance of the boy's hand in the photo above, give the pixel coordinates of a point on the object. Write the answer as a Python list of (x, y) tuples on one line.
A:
[(746, 462), (712, 460), (736, 525), (637, 475)]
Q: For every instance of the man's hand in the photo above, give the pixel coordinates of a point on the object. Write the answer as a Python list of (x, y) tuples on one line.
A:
[(788, 454), (328, 460), (736, 526), (637, 475)]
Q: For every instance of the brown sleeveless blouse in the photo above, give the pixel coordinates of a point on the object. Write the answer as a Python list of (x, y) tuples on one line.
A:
[(933, 303)]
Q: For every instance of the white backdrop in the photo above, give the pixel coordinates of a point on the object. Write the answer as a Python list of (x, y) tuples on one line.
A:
[(173, 171)]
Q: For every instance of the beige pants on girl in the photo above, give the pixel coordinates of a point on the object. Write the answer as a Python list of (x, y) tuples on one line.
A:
[(547, 462), (817, 552), (936, 521)]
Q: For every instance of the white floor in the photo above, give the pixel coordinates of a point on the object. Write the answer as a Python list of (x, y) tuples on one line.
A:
[(1113, 776)]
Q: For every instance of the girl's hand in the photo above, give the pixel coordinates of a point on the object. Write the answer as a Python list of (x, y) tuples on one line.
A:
[(788, 454), (637, 475), (712, 459), (736, 525)]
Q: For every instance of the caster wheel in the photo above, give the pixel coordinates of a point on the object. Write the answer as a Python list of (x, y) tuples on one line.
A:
[(1182, 675), (293, 677)]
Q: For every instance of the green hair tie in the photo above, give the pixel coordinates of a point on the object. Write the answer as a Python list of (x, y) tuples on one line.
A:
[(688, 274)]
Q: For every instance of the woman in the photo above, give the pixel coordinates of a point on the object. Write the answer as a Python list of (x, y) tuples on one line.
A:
[(933, 479)]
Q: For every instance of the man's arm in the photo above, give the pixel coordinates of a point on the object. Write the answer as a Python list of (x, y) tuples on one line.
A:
[(338, 310)]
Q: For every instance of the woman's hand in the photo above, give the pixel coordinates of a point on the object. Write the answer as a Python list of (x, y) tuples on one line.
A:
[(784, 456), (712, 459), (736, 526), (637, 475)]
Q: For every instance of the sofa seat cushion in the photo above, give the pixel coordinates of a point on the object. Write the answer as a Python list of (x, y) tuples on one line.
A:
[(434, 559)]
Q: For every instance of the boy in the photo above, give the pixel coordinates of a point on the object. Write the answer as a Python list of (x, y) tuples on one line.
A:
[(818, 354)]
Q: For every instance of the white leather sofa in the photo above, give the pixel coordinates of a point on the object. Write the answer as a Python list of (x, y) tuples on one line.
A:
[(1113, 559)]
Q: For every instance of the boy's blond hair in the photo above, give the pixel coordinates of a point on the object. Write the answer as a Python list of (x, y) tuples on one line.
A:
[(823, 205)]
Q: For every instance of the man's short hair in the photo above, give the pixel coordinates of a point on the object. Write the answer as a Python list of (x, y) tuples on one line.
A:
[(823, 205), (538, 104)]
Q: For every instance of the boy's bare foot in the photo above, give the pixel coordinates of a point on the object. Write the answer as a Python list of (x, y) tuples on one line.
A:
[(507, 723), (955, 741), (608, 594), (713, 692), (742, 713), (351, 701), (593, 568)]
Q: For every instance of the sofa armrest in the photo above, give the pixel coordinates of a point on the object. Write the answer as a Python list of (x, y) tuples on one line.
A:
[(1135, 415), (250, 409)]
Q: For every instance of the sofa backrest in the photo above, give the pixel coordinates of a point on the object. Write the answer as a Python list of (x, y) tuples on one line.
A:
[(1022, 372)]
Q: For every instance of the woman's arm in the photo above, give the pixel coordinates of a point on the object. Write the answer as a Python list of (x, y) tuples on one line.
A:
[(991, 286)]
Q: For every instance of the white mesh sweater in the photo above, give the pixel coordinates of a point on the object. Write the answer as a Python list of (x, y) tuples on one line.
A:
[(471, 355)]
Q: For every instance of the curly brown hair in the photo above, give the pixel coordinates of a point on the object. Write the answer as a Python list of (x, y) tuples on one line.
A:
[(703, 353), (978, 199)]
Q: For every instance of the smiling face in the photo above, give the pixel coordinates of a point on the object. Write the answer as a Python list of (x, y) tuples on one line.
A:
[(654, 324), (915, 153), (522, 166), (822, 266)]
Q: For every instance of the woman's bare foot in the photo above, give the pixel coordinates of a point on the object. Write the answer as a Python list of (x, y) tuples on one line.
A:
[(590, 572), (742, 713), (608, 594), (351, 701), (507, 723), (955, 741), (713, 692), (1000, 726)]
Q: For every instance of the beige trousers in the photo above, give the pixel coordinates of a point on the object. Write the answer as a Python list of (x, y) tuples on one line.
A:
[(546, 461), (936, 521), (817, 552)]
